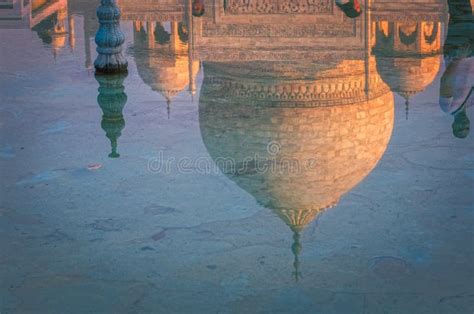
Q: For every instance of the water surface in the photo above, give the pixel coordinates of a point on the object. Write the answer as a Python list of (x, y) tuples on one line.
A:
[(260, 159)]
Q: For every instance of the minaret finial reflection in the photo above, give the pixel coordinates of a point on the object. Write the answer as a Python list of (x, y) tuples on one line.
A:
[(168, 107), (112, 99), (407, 107)]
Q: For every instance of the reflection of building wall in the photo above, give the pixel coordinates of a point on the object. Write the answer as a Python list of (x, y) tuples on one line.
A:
[(15, 14), (408, 10), (48, 18), (28, 14), (283, 29), (152, 10), (238, 7)]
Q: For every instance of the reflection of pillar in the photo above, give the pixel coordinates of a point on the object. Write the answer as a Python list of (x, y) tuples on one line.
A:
[(87, 45), (150, 30), (112, 99), (174, 36), (438, 35), (367, 24), (192, 82), (407, 107), (137, 25), (72, 31), (396, 35), (419, 37), (189, 22)]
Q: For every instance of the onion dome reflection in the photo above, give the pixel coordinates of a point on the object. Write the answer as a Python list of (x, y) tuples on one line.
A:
[(296, 145)]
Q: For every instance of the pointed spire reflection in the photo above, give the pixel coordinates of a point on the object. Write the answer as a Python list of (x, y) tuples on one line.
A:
[(168, 107), (407, 107), (296, 248)]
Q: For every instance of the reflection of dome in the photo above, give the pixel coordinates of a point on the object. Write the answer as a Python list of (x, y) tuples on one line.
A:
[(168, 77), (164, 67), (325, 145), (408, 76)]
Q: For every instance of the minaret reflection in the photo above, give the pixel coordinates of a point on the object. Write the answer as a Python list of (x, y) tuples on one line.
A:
[(456, 86), (407, 47), (162, 45), (162, 58), (112, 99), (296, 145)]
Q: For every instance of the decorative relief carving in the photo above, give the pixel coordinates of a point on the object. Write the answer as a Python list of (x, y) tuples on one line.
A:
[(155, 17), (278, 6), (301, 94), (343, 29), (229, 54), (409, 17)]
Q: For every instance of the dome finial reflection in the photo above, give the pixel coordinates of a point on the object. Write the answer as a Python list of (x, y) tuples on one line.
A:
[(296, 248), (407, 107), (168, 107)]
